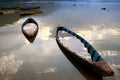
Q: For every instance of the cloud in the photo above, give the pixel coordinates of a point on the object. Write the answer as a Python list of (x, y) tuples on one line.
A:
[(48, 70), (8, 65)]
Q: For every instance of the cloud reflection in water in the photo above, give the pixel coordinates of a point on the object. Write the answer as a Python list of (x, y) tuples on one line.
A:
[(48, 70), (98, 32), (9, 65)]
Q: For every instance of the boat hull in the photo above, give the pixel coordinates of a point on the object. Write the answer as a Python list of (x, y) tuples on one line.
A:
[(84, 70), (101, 68), (30, 36)]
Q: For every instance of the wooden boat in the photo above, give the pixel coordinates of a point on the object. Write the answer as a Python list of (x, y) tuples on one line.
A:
[(30, 12), (97, 65), (30, 36)]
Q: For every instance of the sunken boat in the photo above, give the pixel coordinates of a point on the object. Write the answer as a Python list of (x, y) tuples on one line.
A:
[(30, 35), (97, 63)]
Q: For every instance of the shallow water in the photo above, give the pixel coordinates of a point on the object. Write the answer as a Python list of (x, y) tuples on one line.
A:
[(29, 28), (43, 60)]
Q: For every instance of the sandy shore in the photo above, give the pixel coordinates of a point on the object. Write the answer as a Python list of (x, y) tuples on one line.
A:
[(11, 11)]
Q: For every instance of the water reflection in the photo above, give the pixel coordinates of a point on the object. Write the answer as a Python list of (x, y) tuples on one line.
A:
[(48, 70), (43, 60), (30, 27), (9, 66), (110, 53), (45, 32), (112, 58), (98, 32), (8, 19)]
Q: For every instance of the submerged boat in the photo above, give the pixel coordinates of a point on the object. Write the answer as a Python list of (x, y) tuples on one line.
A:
[(97, 65), (30, 36)]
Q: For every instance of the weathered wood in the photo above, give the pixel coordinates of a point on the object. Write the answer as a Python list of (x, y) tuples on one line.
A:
[(99, 67)]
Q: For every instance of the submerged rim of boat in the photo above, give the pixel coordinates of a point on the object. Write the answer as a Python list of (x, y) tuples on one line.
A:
[(30, 36), (97, 65)]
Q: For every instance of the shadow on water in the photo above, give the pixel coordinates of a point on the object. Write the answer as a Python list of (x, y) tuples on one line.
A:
[(44, 6), (8, 18), (88, 74)]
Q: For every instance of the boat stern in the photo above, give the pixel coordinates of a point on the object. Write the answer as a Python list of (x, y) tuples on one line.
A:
[(103, 68)]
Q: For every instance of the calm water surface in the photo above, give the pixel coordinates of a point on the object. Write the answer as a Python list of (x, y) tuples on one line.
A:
[(43, 60)]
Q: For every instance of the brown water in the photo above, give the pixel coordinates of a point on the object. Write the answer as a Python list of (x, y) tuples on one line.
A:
[(43, 60)]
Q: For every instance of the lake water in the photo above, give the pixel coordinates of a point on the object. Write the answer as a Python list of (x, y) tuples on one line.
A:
[(43, 60)]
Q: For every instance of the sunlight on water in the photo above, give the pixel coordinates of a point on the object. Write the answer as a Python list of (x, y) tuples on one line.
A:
[(45, 32), (98, 33)]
